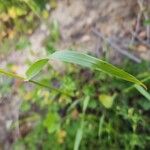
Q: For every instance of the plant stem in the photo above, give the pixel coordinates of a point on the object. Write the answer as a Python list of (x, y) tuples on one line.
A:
[(49, 87), (13, 75)]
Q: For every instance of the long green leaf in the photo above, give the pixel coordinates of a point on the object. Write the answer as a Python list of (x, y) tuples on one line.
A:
[(147, 22), (85, 103), (145, 80), (101, 122), (143, 92), (35, 68), (94, 63), (78, 138)]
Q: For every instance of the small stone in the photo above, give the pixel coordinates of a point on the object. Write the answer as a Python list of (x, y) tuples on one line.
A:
[(142, 48), (142, 34), (85, 38)]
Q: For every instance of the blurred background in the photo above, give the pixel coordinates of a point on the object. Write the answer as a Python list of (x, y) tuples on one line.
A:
[(100, 112)]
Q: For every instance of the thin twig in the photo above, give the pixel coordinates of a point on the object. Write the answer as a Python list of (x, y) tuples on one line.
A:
[(13, 75), (136, 37), (140, 2), (136, 28), (147, 28), (116, 47), (48, 87), (139, 39)]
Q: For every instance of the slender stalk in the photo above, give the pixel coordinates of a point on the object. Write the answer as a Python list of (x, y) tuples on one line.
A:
[(13, 75), (10, 74), (116, 47), (48, 87)]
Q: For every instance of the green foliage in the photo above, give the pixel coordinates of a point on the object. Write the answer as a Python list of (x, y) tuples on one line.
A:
[(101, 122), (36, 68), (78, 138), (147, 22), (82, 122), (143, 92), (52, 122), (86, 61), (53, 37), (80, 109), (22, 43), (106, 100), (93, 63), (19, 17)]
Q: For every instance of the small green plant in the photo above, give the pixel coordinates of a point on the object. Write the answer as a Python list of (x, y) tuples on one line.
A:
[(82, 111), (83, 60), (76, 58)]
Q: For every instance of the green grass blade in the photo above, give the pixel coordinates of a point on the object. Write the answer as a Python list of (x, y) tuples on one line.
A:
[(147, 22), (143, 92), (101, 122), (94, 63), (85, 103), (35, 68), (78, 138), (145, 80)]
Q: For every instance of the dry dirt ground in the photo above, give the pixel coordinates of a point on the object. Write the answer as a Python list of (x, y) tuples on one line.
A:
[(112, 18), (79, 20)]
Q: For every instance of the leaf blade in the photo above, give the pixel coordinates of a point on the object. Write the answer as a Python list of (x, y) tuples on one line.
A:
[(85, 103), (143, 92), (78, 138), (106, 100), (101, 122), (94, 63), (36, 67)]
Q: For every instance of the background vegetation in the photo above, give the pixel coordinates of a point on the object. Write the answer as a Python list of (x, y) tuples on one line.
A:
[(85, 109)]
